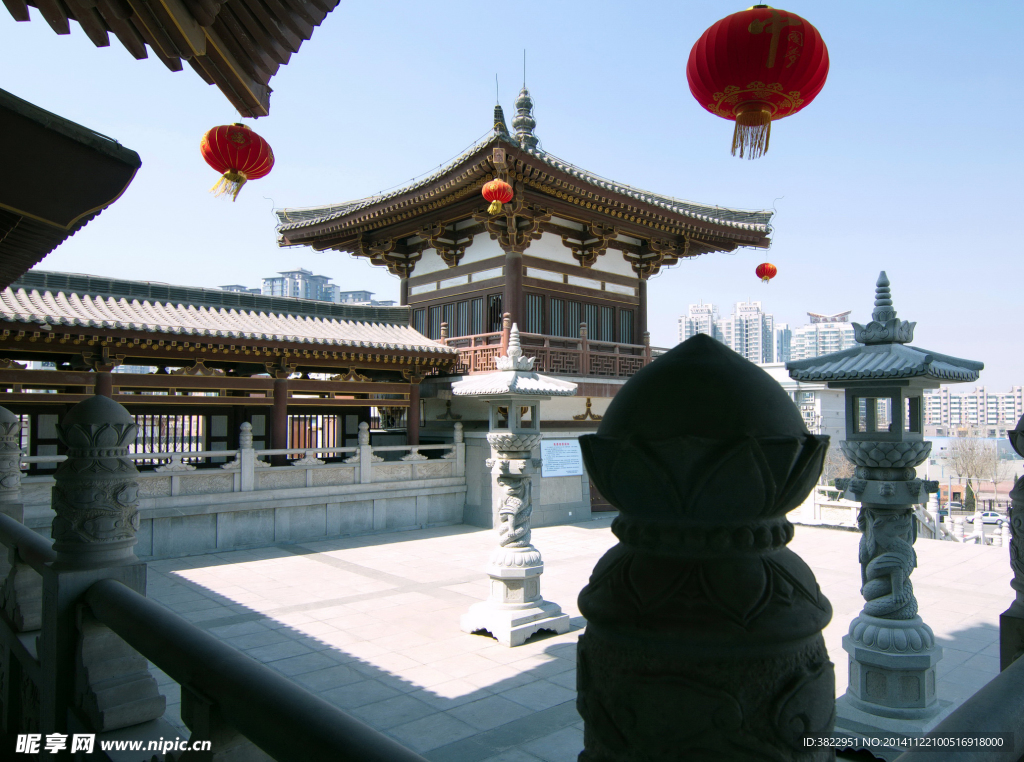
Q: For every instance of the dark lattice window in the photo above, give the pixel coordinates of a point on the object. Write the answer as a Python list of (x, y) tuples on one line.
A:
[(493, 313), (572, 319), (606, 329), (626, 327), (557, 317), (590, 318), (419, 320), (434, 315), (534, 322), (476, 310), (448, 316), (461, 327)]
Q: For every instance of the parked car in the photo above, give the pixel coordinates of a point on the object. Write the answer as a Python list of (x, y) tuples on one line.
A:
[(987, 517), (954, 506)]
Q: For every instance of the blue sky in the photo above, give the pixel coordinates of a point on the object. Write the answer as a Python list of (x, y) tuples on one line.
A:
[(910, 159)]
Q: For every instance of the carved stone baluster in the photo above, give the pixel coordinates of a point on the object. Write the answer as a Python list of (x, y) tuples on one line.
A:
[(703, 636), (22, 589), (96, 502)]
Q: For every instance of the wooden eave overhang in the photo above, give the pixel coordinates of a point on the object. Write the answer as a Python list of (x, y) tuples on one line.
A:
[(237, 45), (56, 177), (103, 346), (454, 195)]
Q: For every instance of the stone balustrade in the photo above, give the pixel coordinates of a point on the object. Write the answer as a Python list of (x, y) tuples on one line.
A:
[(236, 499)]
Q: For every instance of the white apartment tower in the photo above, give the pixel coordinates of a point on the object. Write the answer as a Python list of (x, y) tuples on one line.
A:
[(749, 331), (978, 409), (699, 318), (824, 335)]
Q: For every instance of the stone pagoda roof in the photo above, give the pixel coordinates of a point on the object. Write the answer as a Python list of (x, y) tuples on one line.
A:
[(884, 353), (47, 308), (514, 375)]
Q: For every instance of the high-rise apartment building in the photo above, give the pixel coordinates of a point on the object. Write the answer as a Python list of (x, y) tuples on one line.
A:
[(978, 409), (749, 332), (699, 318), (783, 342), (824, 335), (303, 284)]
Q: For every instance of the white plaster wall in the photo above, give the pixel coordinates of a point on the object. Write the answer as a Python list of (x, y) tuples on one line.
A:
[(551, 248), (483, 247)]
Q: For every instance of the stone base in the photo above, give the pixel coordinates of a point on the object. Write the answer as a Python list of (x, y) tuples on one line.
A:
[(512, 625), (853, 722)]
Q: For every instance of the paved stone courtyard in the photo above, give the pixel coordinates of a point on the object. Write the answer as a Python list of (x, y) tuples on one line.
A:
[(372, 625)]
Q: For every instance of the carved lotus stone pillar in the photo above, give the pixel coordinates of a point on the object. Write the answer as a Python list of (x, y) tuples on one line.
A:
[(10, 465), (703, 636), (96, 495)]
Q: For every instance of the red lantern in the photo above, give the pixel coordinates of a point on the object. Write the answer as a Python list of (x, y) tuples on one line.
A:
[(756, 66), (237, 152), (498, 192), (766, 271)]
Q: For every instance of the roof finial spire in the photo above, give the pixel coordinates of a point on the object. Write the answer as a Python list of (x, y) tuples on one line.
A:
[(499, 115), (883, 300), (523, 122), (885, 327), (514, 360)]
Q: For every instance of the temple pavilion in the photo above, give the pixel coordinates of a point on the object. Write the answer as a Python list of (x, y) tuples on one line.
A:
[(567, 261)]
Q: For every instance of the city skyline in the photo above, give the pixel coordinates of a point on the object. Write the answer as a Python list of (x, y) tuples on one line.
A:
[(855, 190)]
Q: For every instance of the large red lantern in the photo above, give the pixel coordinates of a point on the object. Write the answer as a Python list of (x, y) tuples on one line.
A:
[(498, 192), (756, 66), (766, 271), (239, 154)]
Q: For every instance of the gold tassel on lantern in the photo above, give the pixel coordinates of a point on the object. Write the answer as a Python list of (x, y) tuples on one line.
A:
[(231, 182), (753, 130), (495, 207)]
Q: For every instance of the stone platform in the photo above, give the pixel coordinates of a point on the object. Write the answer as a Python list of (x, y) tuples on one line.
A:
[(372, 624)]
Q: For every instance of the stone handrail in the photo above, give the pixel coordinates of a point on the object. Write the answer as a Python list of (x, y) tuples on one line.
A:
[(281, 718), (33, 549), (997, 708)]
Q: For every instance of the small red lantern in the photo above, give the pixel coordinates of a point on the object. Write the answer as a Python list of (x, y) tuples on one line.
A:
[(766, 271), (498, 192), (756, 66), (237, 152)]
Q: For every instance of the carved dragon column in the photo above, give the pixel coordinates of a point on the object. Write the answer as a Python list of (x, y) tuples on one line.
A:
[(515, 609), (703, 636), (10, 465), (1011, 621)]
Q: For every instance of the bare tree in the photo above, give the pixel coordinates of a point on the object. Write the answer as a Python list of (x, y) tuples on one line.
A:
[(994, 468), (836, 466), (969, 456)]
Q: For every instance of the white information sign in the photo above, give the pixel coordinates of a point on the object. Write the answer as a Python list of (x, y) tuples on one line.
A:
[(561, 457)]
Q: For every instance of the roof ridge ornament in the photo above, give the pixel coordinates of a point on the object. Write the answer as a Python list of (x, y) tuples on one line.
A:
[(523, 122), (885, 327), (514, 360), (499, 122)]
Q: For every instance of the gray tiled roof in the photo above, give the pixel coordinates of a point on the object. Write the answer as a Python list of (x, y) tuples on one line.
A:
[(758, 221), (46, 308), (884, 361)]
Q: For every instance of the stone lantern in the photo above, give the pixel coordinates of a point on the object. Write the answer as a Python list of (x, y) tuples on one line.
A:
[(892, 651), (515, 609)]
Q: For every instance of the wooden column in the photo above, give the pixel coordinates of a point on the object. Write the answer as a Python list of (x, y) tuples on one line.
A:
[(104, 384), (403, 291), (279, 423), (512, 297), (413, 418), (641, 317)]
